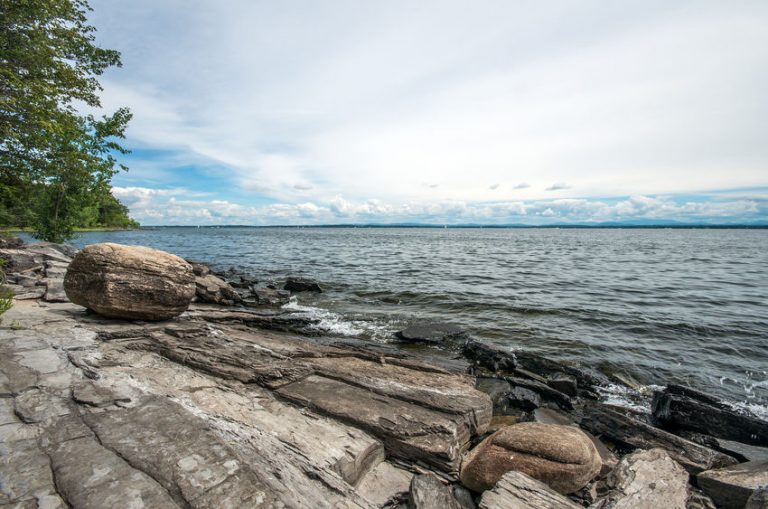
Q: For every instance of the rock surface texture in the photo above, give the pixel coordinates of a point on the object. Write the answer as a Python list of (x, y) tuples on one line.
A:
[(515, 490), (130, 282), (646, 479), (731, 487), (562, 457)]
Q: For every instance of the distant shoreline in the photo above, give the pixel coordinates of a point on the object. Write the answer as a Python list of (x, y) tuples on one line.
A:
[(481, 227)]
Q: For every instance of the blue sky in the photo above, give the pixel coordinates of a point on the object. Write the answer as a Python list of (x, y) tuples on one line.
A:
[(303, 112)]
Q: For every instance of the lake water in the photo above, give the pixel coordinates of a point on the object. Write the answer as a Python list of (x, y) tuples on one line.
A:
[(659, 305)]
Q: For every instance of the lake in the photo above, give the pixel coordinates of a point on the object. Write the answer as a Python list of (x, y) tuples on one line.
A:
[(658, 305)]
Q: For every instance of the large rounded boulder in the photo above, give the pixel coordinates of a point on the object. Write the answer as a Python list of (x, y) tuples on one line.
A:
[(130, 282), (562, 457)]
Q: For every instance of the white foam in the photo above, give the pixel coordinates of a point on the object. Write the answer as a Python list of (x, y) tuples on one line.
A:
[(327, 321)]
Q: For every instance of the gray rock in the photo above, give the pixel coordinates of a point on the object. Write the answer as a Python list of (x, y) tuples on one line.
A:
[(731, 487), (130, 282), (54, 291), (564, 383), (215, 290), (523, 398), (516, 490), (758, 499), (427, 492), (432, 333), (645, 479)]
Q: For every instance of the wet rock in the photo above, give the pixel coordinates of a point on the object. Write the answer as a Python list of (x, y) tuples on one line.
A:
[(545, 391), (427, 492), (562, 457), (602, 420), (731, 487), (268, 297), (300, 284), (564, 383), (520, 491), (681, 407), (498, 390), (215, 290), (432, 333), (493, 357), (523, 398), (645, 479), (130, 282)]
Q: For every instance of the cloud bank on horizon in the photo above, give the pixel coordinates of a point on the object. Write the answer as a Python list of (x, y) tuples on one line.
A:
[(299, 112)]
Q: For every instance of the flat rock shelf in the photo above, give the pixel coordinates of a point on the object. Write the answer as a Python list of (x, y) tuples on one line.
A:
[(98, 411)]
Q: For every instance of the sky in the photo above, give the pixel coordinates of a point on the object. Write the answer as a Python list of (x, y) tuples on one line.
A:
[(443, 112)]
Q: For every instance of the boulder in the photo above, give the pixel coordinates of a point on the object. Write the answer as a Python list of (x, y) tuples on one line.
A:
[(130, 282), (300, 284), (519, 491), (562, 457), (210, 288), (431, 333), (645, 479), (682, 407), (427, 492), (731, 487)]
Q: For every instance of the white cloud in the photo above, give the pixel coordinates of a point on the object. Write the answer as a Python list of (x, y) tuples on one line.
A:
[(306, 102), (159, 207)]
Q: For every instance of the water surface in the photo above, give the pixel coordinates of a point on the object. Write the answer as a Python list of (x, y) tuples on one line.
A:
[(659, 305)]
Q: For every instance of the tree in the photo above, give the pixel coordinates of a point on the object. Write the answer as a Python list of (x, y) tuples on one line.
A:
[(49, 149)]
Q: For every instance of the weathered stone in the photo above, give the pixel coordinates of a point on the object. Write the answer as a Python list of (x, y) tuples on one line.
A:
[(300, 284), (200, 269), (545, 391), (25, 474), (95, 395), (20, 260), (516, 490), (645, 479), (213, 289), (551, 416), (687, 408), (758, 499), (497, 390), (602, 420), (269, 297), (562, 457), (180, 452), (432, 333), (54, 291), (731, 487), (90, 476), (464, 497), (35, 406), (130, 282), (427, 492), (384, 484)]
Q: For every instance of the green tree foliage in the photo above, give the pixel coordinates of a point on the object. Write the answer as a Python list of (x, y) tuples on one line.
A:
[(55, 160)]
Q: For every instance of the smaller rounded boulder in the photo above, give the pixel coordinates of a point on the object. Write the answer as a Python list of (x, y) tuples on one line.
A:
[(136, 283), (562, 457)]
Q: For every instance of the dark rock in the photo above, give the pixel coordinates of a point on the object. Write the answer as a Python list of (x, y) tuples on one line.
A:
[(498, 390), (697, 499), (731, 487), (685, 408), (432, 333), (10, 242), (562, 457), (300, 284), (21, 260), (427, 492), (130, 282), (523, 398), (520, 491), (545, 391), (493, 357), (564, 383), (602, 420)]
